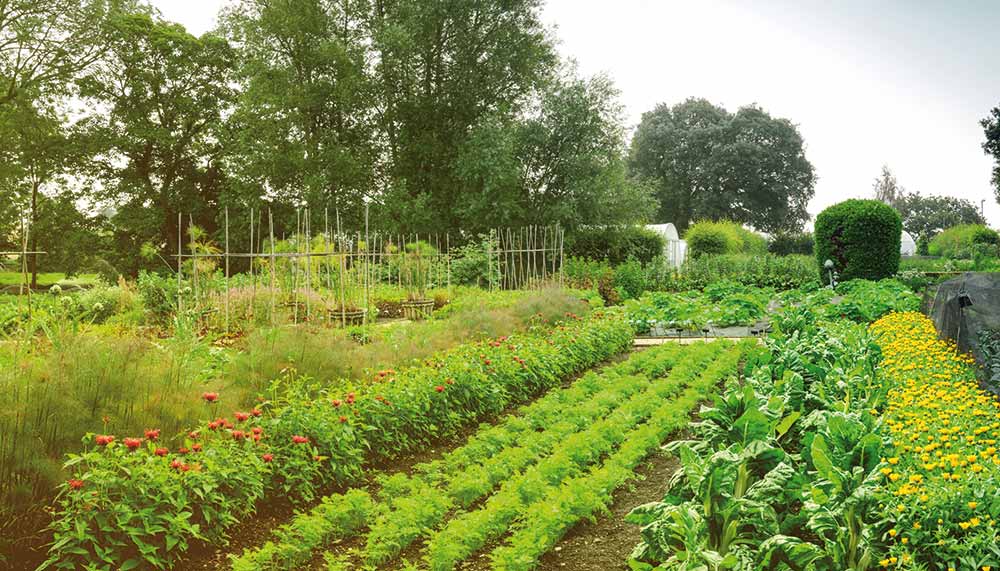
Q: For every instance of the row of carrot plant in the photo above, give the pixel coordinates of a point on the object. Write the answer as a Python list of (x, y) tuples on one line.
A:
[(551, 454), (140, 501)]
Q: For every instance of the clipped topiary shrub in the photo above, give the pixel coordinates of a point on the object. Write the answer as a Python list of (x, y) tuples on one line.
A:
[(707, 237), (956, 242), (861, 237), (615, 244)]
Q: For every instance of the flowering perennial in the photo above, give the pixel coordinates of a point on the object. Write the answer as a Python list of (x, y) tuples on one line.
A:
[(941, 478)]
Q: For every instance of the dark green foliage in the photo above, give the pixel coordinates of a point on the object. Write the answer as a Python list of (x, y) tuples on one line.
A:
[(861, 237), (705, 162), (615, 244), (791, 243), (991, 128), (926, 216)]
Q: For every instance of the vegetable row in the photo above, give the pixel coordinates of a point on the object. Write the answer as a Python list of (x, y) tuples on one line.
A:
[(619, 415), (139, 502)]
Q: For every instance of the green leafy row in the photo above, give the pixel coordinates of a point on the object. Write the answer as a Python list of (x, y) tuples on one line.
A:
[(468, 532), (784, 470), (589, 397), (422, 505), (547, 520), (490, 439), (337, 516)]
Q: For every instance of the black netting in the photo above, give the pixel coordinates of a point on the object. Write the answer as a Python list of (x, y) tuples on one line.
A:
[(965, 307)]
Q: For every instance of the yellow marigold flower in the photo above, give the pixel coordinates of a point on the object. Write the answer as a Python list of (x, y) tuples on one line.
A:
[(972, 505), (893, 532)]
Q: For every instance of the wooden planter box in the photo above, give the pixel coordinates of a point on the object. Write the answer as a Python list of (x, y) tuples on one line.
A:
[(347, 317), (416, 309)]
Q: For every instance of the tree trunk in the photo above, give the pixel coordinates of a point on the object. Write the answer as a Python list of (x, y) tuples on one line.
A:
[(33, 259)]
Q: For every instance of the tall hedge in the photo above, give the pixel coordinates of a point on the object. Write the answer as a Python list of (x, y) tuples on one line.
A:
[(615, 244), (711, 237), (956, 242), (862, 237)]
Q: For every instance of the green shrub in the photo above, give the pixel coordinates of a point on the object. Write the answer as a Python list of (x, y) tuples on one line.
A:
[(722, 237), (791, 243), (630, 279), (861, 237), (956, 242), (159, 296), (471, 264), (615, 244)]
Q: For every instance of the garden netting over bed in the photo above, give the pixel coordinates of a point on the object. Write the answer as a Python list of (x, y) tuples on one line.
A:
[(966, 310)]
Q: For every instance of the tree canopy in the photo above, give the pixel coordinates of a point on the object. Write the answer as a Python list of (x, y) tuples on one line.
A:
[(991, 127), (926, 216), (705, 162)]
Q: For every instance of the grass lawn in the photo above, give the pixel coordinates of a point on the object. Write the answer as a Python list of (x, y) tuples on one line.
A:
[(48, 279)]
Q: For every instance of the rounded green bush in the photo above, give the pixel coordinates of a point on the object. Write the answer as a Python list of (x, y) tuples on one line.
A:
[(708, 237), (956, 242), (861, 237)]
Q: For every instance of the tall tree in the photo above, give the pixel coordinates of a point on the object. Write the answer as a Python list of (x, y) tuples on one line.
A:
[(887, 189), (44, 43), (440, 68), (158, 94), (925, 216), (562, 162), (705, 162), (991, 128), (35, 156), (304, 128)]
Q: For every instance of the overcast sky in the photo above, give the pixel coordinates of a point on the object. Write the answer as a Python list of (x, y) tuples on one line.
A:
[(901, 82)]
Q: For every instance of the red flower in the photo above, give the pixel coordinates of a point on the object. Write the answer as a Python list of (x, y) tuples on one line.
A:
[(132, 443), (318, 458), (212, 425), (241, 416), (335, 402), (176, 464), (267, 457), (257, 430), (256, 412), (75, 484), (210, 397), (439, 389), (238, 435), (152, 434), (196, 447), (161, 451), (193, 435), (343, 419), (185, 468), (300, 439), (350, 398), (104, 439), (182, 450), (487, 361)]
